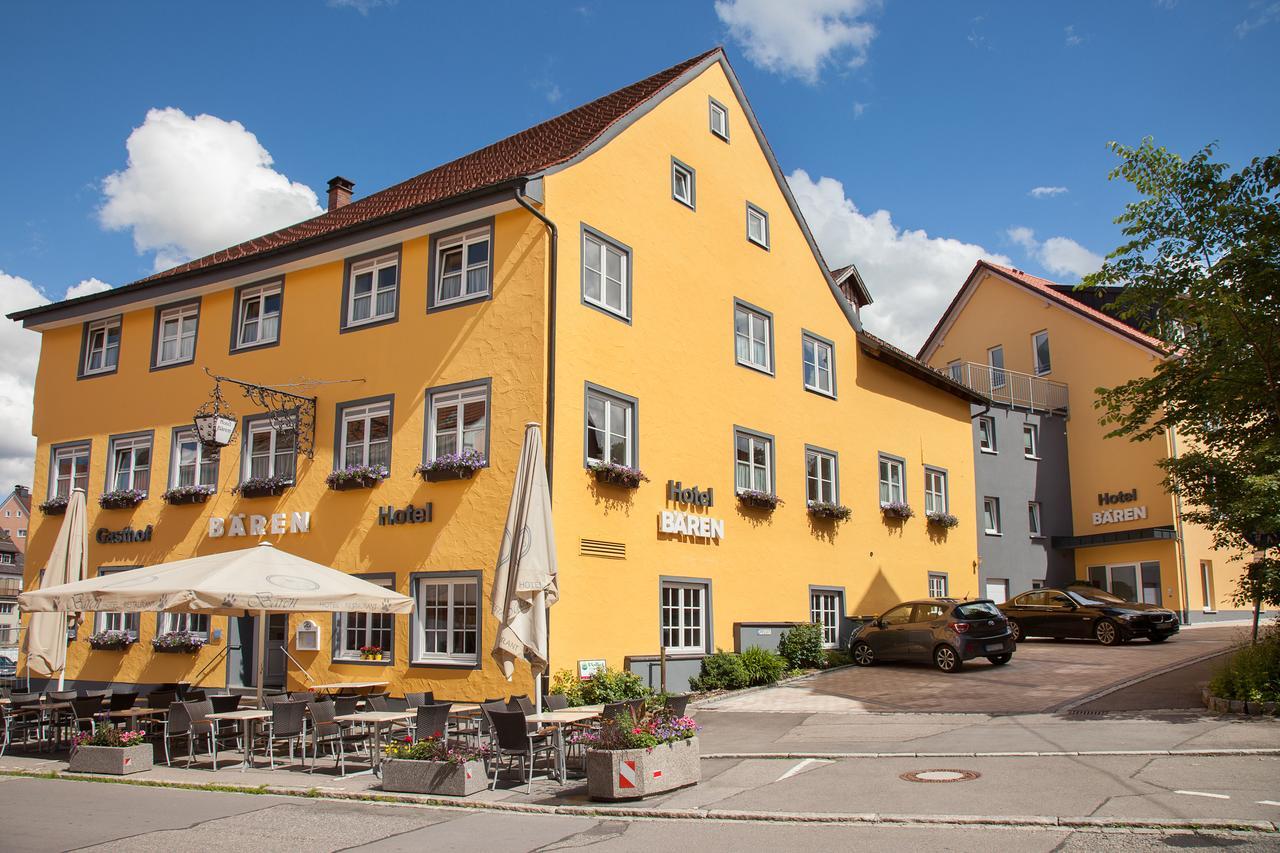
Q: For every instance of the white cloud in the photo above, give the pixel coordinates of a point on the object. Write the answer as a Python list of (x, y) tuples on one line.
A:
[(361, 6), (1059, 255), (197, 184), (798, 38), (911, 275), (19, 355), (858, 109), (1046, 192), (84, 288), (1072, 38), (1264, 13)]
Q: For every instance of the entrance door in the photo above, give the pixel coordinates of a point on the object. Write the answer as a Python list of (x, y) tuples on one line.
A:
[(277, 634), (997, 590), (1122, 580), (242, 658)]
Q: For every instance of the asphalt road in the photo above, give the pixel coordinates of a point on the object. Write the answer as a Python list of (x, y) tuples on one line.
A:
[(61, 815)]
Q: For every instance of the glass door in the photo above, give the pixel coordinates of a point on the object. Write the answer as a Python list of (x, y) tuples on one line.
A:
[(1121, 580)]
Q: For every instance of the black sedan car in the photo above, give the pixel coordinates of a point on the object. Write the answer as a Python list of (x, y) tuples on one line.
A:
[(1087, 612), (942, 630)]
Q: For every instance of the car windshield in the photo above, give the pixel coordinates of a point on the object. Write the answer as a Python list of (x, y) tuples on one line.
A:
[(6, 661), (976, 610), (1095, 596)]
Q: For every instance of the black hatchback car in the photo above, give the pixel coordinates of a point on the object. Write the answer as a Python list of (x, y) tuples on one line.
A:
[(1087, 612), (942, 630)]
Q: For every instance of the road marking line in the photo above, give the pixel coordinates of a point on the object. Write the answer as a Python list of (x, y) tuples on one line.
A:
[(1203, 794), (800, 768), (1268, 803)]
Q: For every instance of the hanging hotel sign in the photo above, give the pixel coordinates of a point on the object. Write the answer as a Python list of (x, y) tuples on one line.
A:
[(125, 534), (1116, 516), (241, 524), (408, 515)]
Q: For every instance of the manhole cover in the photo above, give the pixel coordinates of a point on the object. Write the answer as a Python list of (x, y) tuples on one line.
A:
[(939, 776)]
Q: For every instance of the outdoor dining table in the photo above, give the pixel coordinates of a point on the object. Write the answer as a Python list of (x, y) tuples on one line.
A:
[(135, 713), (339, 686), (247, 716), (558, 720), (378, 719)]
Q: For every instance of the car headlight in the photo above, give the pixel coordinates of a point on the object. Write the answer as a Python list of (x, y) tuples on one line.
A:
[(1128, 617)]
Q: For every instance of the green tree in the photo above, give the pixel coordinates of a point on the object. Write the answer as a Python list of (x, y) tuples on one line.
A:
[(1201, 271)]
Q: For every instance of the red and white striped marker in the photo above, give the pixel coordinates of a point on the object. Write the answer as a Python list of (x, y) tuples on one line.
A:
[(627, 774)]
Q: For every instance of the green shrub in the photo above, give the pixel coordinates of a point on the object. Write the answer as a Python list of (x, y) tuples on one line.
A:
[(802, 647), (835, 657), (1251, 674), (762, 666), (606, 685), (721, 671)]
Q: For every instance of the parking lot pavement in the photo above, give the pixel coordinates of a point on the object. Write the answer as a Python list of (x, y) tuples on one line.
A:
[(1044, 675)]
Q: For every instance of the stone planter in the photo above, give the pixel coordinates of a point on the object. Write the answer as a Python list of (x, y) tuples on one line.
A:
[(629, 774), (405, 776), (440, 475), (113, 760)]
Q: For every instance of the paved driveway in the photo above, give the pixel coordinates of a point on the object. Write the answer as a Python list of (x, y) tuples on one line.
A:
[(1044, 675)]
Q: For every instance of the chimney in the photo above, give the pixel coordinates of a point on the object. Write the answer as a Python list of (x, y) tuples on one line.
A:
[(340, 192), (21, 490)]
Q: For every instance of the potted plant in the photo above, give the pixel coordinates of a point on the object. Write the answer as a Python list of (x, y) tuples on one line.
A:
[(433, 765), (452, 466), (54, 506), (111, 641), (613, 474), (758, 500), (177, 642), (187, 495), (944, 520), (897, 510), (628, 759), (262, 487), (121, 498), (829, 510), (356, 477), (371, 653), (110, 750)]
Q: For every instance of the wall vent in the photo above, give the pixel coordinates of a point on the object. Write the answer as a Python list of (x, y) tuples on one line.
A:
[(600, 548)]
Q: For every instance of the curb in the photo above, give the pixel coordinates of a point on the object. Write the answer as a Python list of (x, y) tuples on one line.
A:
[(608, 812), (1100, 753), (1072, 704)]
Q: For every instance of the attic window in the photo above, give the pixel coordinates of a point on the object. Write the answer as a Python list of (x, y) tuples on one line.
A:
[(719, 119)]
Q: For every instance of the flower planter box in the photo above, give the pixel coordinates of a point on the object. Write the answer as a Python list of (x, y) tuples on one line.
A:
[(193, 498), (618, 481), (119, 503), (176, 650), (629, 774), (122, 647), (355, 483), (112, 760), (830, 512), (442, 475), (752, 502), (56, 509), (406, 776), (262, 491)]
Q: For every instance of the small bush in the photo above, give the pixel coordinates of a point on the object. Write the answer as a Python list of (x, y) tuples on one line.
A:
[(836, 657), (762, 666), (607, 685), (802, 647), (721, 671), (1251, 674)]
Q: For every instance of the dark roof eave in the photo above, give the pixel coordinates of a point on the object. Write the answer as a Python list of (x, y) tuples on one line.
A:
[(887, 354)]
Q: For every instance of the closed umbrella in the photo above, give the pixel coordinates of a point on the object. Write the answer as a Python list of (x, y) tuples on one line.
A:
[(257, 580), (524, 583), (46, 640)]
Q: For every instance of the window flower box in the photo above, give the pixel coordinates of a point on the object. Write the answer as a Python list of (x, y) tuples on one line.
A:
[(943, 520), (262, 487), (452, 466), (370, 653), (758, 500), (356, 477), (613, 474), (830, 511), (177, 642), (179, 495), (54, 506), (121, 498), (897, 511), (433, 765), (111, 641)]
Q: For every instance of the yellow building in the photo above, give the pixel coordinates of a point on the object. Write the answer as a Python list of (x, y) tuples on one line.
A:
[(636, 276), (1013, 336)]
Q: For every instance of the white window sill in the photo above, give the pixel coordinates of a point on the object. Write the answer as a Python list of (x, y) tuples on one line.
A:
[(1032, 458), (257, 344), (752, 366), (990, 452), (608, 309), (1038, 536), (993, 533), (369, 321), (1208, 611), (460, 300), (820, 391)]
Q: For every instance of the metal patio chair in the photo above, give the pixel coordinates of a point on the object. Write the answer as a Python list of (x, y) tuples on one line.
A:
[(326, 731), (513, 740), (288, 724)]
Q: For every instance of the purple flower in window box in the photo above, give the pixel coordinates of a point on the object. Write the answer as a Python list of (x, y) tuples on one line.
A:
[(827, 509), (897, 510), (111, 641), (54, 506), (758, 500), (121, 498), (613, 474), (177, 642), (945, 520), (188, 494), (262, 487), (452, 466), (356, 477)]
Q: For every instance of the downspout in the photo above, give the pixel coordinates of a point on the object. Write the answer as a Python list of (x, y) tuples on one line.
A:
[(1182, 543)]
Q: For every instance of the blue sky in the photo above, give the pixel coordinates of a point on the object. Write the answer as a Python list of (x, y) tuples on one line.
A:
[(914, 132)]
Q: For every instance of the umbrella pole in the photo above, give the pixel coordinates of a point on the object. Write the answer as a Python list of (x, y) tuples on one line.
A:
[(262, 653)]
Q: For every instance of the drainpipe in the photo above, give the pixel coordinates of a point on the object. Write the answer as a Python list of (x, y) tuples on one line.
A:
[(554, 234), (1182, 543)]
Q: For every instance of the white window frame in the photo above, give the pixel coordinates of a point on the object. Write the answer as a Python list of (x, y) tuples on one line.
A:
[(373, 266), (886, 466), (259, 295), (452, 608), (22, 533), (614, 408), (939, 585), (1208, 595), (758, 214), (999, 374), (261, 425), (991, 510), (935, 490), (129, 622), (826, 609), (464, 241), (955, 369), (1035, 523), (180, 336), (753, 440), (987, 424), (195, 623), (1041, 369), (715, 108), (680, 170), (826, 482), (1037, 583), (205, 458), (79, 455), (97, 341), (815, 345), (678, 600), (757, 321), (607, 247), (386, 625), (1033, 431), (457, 399), (366, 414), (132, 443)]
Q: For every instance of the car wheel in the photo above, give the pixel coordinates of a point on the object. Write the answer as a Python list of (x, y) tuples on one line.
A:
[(1016, 630), (1000, 660), (946, 659), (863, 654), (1106, 632), (1158, 638)]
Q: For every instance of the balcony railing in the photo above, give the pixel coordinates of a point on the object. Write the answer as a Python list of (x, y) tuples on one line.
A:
[(10, 586), (1011, 388)]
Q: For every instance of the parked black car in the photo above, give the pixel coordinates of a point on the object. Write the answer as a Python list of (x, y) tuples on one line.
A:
[(943, 630), (8, 669), (1086, 611)]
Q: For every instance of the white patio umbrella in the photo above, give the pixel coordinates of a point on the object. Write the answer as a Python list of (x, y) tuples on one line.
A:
[(524, 583), (46, 639), (257, 580)]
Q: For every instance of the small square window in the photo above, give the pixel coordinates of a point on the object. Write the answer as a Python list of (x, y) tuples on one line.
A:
[(610, 428), (991, 516), (937, 585), (987, 435), (458, 420), (129, 465), (606, 273), (892, 481), (719, 119), (192, 462), (1031, 441), (753, 462), (753, 336), (195, 623), (757, 226), (176, 335), (462, 267), (955, 370), (70, 466), (270, 450), (372, 290), (258, 316), (365, 436), (819, 365), (1033, 518), (101, 347), (683, 188), (357, 633)]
